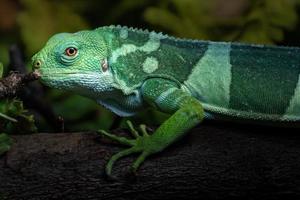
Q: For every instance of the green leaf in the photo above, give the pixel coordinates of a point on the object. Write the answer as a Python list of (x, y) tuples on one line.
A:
[(7, 117), (5, 143), (14, 118)]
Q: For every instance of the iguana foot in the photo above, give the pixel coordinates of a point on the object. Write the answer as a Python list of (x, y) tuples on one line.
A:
[(140, 144)]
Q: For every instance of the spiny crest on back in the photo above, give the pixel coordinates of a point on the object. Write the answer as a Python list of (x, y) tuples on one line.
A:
[(145, 31), (177, 39), (136, 30)]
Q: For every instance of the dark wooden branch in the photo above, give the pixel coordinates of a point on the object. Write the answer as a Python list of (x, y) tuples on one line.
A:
[(10, 85), (214, 161)]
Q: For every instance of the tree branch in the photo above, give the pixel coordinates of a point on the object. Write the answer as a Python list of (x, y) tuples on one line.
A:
[(11, 84), (214, 161)]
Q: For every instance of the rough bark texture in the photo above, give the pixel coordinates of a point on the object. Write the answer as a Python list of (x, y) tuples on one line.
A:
[(10, 85), (214, 161)]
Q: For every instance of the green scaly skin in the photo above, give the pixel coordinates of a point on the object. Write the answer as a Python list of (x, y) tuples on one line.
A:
[(127, 70)]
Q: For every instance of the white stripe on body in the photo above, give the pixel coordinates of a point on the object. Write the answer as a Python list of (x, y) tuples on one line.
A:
[(211, 77), (293, 111)]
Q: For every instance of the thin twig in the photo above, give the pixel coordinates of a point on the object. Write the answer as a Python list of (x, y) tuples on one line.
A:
[(10, 85)]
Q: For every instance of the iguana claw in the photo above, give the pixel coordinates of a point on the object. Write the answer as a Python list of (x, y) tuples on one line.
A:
[(140, 143)]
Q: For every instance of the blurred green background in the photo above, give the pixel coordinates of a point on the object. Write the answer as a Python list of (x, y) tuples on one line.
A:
[(29, 23)]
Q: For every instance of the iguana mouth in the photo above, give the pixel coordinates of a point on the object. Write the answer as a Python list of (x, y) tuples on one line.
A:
[(62, 74), (37, 73), (47, 74)]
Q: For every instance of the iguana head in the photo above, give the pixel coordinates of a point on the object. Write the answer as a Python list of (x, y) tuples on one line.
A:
[(75, 61)]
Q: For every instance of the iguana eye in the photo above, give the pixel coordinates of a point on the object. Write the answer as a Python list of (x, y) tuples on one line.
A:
[(71, 51)]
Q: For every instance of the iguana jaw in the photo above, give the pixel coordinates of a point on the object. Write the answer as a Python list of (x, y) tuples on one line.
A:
[(86, 83)]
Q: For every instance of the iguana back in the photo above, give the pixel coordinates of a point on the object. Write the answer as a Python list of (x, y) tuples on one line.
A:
[(230, 79)]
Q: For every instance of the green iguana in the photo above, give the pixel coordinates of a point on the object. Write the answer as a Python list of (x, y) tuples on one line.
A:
[(127, 70)]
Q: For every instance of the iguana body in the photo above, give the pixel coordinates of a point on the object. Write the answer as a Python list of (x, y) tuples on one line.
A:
[(127, 70)]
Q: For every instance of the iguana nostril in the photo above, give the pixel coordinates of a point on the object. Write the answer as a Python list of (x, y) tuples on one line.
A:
[(37, 64)]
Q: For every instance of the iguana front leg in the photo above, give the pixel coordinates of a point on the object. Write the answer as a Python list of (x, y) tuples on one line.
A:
[(167, 97)]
